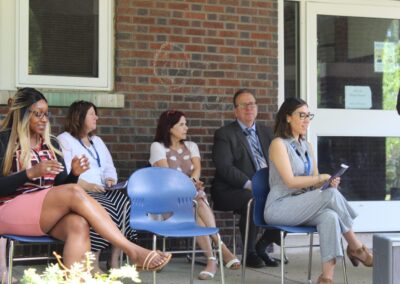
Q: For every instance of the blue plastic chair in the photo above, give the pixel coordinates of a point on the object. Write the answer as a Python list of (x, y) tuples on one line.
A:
[(156, 191), (24, 239), (260, 189)]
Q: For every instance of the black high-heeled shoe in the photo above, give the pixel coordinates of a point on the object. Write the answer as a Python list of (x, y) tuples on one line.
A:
[(261, 249)]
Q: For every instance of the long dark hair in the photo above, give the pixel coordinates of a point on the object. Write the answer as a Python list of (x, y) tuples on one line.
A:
[(166, 121), (75, 120), (282, 128)]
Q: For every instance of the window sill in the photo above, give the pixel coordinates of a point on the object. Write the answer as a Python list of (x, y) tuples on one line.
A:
[(66, 98)]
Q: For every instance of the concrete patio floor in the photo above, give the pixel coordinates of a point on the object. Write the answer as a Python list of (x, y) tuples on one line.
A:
[(178, 271)]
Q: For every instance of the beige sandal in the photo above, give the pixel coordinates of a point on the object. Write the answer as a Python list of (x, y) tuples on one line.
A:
[(354, 256), (233, 264), (207, 275), (149, 258)]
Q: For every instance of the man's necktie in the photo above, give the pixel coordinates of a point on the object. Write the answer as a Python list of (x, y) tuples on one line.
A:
[(256, 148)]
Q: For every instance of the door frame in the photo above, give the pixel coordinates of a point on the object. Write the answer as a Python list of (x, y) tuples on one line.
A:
[(345, 122)]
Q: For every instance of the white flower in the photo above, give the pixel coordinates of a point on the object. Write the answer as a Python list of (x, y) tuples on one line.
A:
[(126, 271), (79, 273), (30, 276)]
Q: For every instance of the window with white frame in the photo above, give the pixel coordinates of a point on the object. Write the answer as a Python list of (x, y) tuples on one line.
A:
[(291, 48), (64, 44)]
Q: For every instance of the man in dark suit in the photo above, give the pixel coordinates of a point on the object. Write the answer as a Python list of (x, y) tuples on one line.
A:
[(237, 157)]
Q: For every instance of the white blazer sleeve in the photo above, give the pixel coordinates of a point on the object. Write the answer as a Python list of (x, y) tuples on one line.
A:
[(157, 152)]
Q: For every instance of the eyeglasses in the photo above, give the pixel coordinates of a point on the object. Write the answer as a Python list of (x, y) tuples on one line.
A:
[(246, 105), (304, 115), (40, 115)]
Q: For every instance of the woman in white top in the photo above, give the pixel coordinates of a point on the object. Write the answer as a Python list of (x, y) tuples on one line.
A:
[(79, 139), (170, 150)]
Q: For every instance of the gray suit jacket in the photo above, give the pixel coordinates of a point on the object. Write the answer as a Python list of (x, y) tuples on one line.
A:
[(234, 161)]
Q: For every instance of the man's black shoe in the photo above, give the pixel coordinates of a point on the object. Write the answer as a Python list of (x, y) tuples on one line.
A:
[(254, 261), (262, 247), (267, 238), (269, 261)]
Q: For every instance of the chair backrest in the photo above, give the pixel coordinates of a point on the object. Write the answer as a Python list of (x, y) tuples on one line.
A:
[(156, 191), (260, 189)]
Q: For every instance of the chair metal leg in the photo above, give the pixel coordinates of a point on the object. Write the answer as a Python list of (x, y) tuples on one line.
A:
[(164, 244), (221, 259), (282, 233), (310, 258), (246, 239), (193, 259), (194, 244), (346, 280), (124, 216), (234, 233), (154, 248), (10, 260)]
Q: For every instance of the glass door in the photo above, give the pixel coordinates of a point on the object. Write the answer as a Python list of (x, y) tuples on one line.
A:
[(353, 78)]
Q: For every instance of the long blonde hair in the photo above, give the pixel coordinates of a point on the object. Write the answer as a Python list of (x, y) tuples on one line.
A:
[(17, 122)]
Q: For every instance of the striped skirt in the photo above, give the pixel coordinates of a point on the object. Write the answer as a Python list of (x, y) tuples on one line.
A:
[(113, 202)]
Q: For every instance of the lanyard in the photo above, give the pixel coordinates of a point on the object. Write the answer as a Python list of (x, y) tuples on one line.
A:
[(97, 157), (307, 163)]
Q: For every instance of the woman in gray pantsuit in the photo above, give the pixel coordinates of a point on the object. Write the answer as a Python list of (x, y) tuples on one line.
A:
[(293, 176)]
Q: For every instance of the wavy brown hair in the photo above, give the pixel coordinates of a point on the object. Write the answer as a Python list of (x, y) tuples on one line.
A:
[(75, 120)]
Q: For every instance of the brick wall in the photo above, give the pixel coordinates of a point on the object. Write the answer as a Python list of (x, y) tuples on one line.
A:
[(186, 55), (191, 56)]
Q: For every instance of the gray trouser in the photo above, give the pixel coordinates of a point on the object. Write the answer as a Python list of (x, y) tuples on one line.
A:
[(328, 210)]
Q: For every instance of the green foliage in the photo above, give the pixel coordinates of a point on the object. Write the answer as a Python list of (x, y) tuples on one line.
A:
[(392, 162), (391, 70)]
